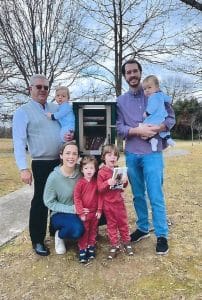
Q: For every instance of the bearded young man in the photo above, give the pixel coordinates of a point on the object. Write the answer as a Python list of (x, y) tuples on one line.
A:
[(145, 168)]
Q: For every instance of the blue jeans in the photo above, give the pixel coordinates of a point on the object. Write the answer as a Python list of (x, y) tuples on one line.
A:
[(145, 172), (69, 225)]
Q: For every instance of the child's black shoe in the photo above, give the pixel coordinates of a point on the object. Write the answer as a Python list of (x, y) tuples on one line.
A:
[(91, 252), (83, 256)]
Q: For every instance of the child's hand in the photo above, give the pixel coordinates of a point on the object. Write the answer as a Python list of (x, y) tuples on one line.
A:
[(98, 215), (48, 114), (86, 211), (144, 115), (83, 218), (111, 181), (68, 136), (124, 179), (123, 196)]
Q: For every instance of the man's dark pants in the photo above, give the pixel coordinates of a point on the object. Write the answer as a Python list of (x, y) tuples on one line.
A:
[(38, 211)]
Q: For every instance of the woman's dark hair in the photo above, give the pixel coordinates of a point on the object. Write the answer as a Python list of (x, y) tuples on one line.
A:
[(66, 144), (130, 61)]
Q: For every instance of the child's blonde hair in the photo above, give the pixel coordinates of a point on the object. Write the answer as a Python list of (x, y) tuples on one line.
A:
[(152, 78), (89, 159), (63, 88), (108, 149)]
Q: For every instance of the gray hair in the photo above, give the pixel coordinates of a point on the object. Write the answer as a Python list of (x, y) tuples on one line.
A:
[(34, 77)]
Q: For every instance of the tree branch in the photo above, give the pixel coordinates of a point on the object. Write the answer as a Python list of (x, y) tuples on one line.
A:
[(193, 3)]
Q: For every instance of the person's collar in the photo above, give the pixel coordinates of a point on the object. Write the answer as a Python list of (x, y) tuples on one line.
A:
[(38, 103), (137, 91)]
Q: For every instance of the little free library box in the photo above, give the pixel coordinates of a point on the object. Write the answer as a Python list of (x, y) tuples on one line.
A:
[(95, 126)]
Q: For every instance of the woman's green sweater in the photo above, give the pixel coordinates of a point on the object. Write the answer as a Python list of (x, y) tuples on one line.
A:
[(58, 192)]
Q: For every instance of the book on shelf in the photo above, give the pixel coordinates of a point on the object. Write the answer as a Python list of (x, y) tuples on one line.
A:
[(118, 174), (90, 123), (99, 140), (93, 118), (94, 143)]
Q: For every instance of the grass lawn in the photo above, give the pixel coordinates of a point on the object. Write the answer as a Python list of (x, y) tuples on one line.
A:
[(177, 276), (9, 174)]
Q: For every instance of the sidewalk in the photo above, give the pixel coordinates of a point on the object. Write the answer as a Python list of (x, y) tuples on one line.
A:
[(14, 213)]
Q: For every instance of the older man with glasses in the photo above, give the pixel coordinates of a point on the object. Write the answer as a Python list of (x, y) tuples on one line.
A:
[(31, 127)]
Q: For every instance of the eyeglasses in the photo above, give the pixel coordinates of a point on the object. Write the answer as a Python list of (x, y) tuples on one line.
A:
[(40, 87)]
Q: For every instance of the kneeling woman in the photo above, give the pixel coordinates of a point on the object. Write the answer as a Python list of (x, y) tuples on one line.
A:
[(58, 197)]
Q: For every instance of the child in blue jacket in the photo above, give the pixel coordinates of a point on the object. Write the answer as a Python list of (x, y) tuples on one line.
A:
[(156, 112), (64, 115)]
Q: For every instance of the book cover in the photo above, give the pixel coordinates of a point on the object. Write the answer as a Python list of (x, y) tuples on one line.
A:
[(118, 174)]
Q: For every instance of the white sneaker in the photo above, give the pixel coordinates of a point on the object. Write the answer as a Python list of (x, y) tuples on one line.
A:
[(170, 142), (59, 244)]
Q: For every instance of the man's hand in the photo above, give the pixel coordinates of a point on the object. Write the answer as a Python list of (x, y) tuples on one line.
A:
[(26, 176), (68, 136), (146, 130), (159, 128), (48, 114)]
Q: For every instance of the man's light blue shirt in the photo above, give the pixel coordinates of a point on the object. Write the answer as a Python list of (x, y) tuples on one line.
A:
[(20, 134)]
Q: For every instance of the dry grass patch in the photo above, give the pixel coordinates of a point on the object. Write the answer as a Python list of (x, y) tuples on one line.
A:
[(6, 145), (177, 276), (9, 174)]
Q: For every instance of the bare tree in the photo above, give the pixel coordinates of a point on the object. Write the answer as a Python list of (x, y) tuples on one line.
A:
[(122, 30), (126, 29), (189, 59), (40, 37), (195, 4), (177, 87), (191, 47)]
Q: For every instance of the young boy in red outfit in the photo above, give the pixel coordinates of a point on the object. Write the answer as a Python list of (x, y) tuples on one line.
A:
[(88, 206), (113, 202)]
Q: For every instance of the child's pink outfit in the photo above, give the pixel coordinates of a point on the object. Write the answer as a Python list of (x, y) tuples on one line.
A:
[(86, 196), (113, 208)]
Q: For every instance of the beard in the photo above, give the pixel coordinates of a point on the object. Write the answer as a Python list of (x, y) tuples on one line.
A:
[(134, 84)]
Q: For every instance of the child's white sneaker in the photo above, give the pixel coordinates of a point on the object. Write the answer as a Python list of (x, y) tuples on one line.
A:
[(59, 244), (170, 142), (128, 249)]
